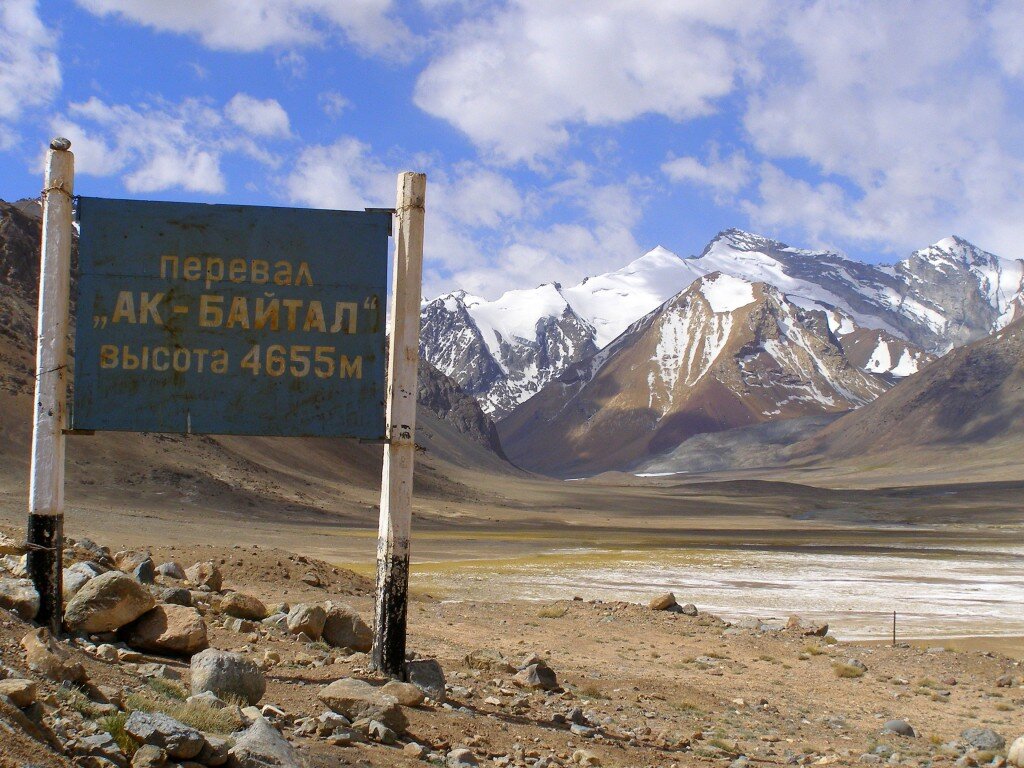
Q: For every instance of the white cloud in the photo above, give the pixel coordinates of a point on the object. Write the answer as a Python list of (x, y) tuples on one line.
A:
[(260, 24), (1006, 21), (519, 80), (156, 147), (333, 103), (29, 68), (259, 117), (723, 176)]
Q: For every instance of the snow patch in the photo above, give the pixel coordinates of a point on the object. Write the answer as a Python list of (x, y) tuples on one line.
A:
[(726, 293)]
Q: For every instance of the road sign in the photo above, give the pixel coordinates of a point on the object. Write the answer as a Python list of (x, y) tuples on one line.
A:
[(227, 319)]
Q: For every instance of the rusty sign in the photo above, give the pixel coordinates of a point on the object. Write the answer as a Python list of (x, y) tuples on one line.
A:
[(225, 319)]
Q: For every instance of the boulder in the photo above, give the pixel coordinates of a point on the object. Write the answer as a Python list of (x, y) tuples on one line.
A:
[(663, 602), (106, 603), (180, 741), (345, 629), (983, 738), (21, 691), (171, 570), (205, 574), (537, 676), (168, 629), (243, 606), (226, 675), (356, 699), (307, 619), (1015, 755), (51, 659), (19, 596), (406, 694), (261, 746), (428, 676)]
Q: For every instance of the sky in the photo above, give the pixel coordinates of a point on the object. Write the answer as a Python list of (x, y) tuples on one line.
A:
[(560, 138)]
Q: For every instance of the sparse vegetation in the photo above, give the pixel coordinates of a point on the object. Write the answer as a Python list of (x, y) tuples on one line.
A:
[(78, 701), (114, 725), (554, 611), (847, 670), (196, 714), (167, 688)]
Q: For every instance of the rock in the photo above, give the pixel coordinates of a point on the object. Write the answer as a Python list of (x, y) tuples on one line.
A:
[(171, 571), (311, 579), (583, 757), (107, 652), (689, 610), (357, 699), (15, 566), (20, 596), (227, 674), (176, 596), (307, 619), (380, 733), (9, 546), (261, 746), (51, 659), (106, 603), (243, 606), (488, 660), (1015, 755), (207, 699), (415, 751), (215, 752), (900, 728), (137, 564), (205, 574), (406, 694), (278, 620), (101, 745), (180, 741), (460, 757), (345, 629), (168, 629), (239, 625), (1005, 681), (983, 738), (149, 756), (538, 676), (75, 577), (428, 676), (20, 691), (857, 664), (796, 624), (663, 602)]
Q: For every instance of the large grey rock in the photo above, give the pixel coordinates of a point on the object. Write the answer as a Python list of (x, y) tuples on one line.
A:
[(261, 746), (428, 676), (356, 699), (169, 629), (107, 603), (983, 738), (101, 745), (180, 741), (243, 606), (307, 619), (19, 596), (226, 675), (205, 574), (345, 629)]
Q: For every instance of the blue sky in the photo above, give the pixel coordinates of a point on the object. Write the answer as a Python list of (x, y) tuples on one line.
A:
[(560, 139)]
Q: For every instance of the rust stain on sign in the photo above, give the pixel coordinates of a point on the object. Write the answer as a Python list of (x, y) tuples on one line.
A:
[(223, 319)]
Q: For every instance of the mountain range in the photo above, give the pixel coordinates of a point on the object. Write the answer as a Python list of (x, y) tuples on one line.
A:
[(752, 330)]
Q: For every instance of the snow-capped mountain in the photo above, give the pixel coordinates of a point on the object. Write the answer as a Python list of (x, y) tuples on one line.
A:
[(725, 352), (505, 351)]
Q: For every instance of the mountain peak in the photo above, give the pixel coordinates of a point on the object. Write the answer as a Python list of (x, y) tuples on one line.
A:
[(741, 240)]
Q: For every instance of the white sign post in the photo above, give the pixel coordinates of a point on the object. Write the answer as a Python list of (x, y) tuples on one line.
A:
[(46, 486), (389, 625)]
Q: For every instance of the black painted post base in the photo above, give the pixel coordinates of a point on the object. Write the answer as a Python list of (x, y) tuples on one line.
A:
[(389, 621), (45, 564)]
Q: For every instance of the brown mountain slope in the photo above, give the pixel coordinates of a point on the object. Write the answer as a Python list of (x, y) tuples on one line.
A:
[(971, 400), (723, 353)]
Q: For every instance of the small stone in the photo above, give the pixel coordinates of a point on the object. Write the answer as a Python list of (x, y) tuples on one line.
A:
[(983, 738), (243, 606), (227, 675), (205, 574), (489, 660), (381, 733), (149, 756), (307, 619), (537, 676), (900, 728), (215, 751), (180, 741), (583, 757), (689, 610), (176, 596), (428, 676), (21, 691), (169, 629), (663, 602), (1005, 681), (19, 596), (137, 564), (406, 694), (51, 659), (857, 664), (343, 628), (460, 757), (107, 652), (415, 751), (171, 570), (311, 579), (261, 746), (796, 624), (107, 603), (239, 625), (101, 745)]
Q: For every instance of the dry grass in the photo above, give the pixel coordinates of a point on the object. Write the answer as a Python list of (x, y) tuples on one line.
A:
[(847, 670), (79, 702), (196, 714), (114, 725), (167, 688), (553, 611)]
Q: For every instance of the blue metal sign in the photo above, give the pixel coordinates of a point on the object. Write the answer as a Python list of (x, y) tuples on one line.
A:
[(226, 319)]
